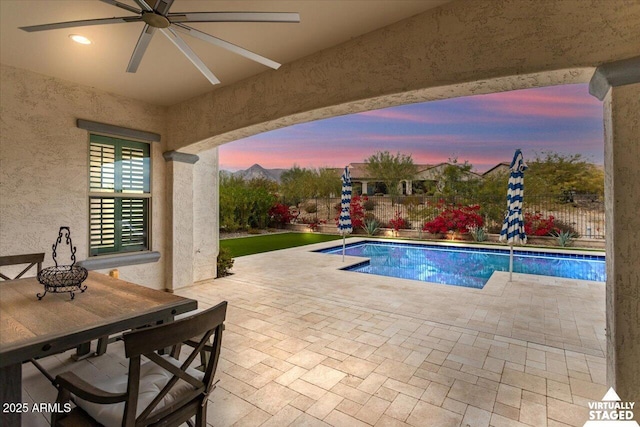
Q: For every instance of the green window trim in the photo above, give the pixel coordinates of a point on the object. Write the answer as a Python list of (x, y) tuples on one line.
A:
[(119, 200)]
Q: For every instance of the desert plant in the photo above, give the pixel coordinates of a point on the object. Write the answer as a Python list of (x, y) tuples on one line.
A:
[(564, 238), (479, 234), (371, 227), (311, 208), (224, 262)]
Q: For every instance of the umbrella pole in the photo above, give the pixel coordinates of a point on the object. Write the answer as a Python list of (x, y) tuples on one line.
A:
[(510, 263), (343, 246)]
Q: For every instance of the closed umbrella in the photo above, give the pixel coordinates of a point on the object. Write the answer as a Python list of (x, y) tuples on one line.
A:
[(344, 221), (513, 226)]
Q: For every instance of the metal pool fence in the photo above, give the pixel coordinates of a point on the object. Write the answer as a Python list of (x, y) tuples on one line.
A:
[(582, 214)]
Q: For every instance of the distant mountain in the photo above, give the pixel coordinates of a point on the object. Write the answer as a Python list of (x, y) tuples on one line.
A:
[(256, 172)]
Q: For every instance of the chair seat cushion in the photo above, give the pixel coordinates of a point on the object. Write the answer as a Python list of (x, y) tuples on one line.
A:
[(152, 379)]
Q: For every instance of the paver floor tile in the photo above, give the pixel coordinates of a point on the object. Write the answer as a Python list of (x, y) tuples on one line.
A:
[(272, 397), (324, 405), (337, 418), (323, 376), (476, 417), (427, 414), (372, 410), (401, 407), (567, 413), (533, 413), (473, 395), (355, 366)]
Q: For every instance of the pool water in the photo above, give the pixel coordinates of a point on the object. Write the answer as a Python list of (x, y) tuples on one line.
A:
[(468, 267)]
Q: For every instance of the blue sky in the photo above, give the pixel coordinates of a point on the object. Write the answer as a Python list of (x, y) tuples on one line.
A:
[(483, 129)]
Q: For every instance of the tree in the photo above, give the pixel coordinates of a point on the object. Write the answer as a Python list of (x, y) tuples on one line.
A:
[(390, 169), (297, 184), (329, 185), (457, 180), (244, 204), (561, 175)]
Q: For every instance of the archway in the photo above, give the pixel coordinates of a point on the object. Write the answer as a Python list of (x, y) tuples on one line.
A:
[(451, 51)]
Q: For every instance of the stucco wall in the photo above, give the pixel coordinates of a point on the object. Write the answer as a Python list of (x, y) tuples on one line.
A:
[(459, 49), (44, 164)]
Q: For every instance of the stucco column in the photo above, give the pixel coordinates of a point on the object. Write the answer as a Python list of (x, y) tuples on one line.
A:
[(179, 251), (206, 223), (622, 204), (365, 190)]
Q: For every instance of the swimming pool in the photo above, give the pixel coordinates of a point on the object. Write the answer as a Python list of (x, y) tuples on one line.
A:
[(464, 266)]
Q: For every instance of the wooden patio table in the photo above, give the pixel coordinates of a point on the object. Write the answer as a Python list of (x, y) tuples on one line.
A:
[(30, 328)]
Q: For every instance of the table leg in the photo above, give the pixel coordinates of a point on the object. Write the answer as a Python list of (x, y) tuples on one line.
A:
[(82, 351), (11, 392)]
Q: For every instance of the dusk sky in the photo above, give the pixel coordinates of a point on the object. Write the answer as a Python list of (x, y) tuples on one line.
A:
[(483, 129)]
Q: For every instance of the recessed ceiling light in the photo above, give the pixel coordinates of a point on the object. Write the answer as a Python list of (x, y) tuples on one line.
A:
[(79, 39)]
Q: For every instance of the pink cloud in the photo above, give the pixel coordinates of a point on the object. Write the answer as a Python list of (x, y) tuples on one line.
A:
[(551, 102)]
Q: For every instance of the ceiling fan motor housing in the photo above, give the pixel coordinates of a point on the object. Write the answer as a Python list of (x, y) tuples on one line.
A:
[(155, 20)]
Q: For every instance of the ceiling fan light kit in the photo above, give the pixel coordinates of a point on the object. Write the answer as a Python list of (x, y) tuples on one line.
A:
[(155, 16)]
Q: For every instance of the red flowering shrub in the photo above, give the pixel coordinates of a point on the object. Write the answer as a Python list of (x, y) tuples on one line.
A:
[(280, 215), (356, 210), (455, 218), (398, 223), (536, 225)]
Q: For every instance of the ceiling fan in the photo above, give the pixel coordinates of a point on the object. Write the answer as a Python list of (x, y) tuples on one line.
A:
[(155, 16)]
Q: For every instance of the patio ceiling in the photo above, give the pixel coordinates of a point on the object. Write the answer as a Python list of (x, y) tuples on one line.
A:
[(165, 76)]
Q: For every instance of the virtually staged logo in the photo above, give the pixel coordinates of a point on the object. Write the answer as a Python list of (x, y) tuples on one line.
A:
[(611, 411)]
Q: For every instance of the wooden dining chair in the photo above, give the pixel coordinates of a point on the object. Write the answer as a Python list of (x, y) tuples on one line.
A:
[(161, 391), (31, 259)]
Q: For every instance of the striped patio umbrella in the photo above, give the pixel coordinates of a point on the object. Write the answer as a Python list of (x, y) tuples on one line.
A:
[(513, 226), (344, 221)]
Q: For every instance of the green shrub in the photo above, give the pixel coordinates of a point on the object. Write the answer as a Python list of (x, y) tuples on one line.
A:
[(225, 262), (369, 205), (562, 226), (311, 208)]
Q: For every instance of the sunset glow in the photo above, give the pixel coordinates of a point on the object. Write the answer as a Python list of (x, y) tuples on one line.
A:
[(483, 129)]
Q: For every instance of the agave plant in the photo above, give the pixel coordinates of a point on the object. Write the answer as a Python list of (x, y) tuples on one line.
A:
[(564, 237), (479, 234), (371, 227)]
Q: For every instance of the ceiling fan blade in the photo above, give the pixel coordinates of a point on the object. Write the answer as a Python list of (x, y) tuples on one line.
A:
[(141, 48), (144, 5), (162, 6), (226, 45), (190, 54), (122, 5), (289, 17), (83, 23)]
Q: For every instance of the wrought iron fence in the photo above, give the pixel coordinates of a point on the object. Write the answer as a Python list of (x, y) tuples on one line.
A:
[(582, 214)]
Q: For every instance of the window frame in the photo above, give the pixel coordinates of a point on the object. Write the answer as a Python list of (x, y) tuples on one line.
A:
[(118, 195)]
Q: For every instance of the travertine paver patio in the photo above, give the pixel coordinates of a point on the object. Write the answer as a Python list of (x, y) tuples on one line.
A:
[(307, 344)]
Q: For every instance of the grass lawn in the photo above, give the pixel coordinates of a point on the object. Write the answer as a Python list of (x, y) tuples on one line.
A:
[(271, 242)]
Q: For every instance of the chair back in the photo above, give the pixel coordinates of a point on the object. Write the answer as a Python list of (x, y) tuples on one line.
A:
[(31, 259), (202, 332)]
